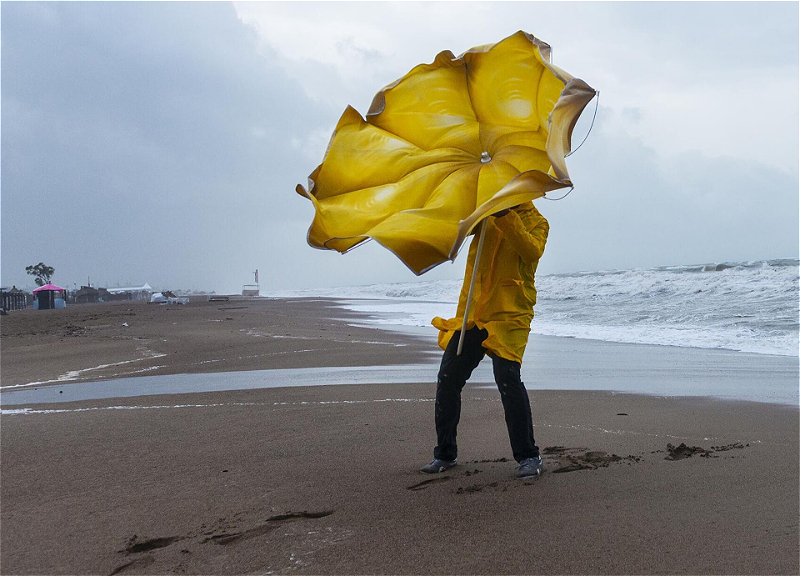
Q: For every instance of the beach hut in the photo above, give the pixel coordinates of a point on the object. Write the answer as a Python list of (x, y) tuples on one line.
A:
[(49, 296)]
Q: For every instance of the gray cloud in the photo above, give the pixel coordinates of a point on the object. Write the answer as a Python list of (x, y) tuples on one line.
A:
[(162, 142), (635, 208), (143, 142)]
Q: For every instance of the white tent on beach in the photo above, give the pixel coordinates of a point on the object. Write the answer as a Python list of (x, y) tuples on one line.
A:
[(133, 292)]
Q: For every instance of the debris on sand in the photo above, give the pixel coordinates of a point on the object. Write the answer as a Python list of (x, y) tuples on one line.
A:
[(683, 451)]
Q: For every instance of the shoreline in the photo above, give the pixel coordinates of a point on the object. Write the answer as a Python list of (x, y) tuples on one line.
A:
[(187, 384), (121, 339), (270, 343)]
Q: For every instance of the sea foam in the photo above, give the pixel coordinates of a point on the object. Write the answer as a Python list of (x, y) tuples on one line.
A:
[(745, 306)]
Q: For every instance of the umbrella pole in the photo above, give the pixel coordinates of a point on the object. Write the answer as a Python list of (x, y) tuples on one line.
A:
[(471, 287)]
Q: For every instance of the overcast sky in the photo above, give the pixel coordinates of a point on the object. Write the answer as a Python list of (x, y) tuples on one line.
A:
[(162, 142)]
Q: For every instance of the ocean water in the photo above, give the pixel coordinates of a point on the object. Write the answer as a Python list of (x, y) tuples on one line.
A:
[(745, 306)]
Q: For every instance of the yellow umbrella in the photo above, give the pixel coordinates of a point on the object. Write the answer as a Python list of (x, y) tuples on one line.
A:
[(443, 147)]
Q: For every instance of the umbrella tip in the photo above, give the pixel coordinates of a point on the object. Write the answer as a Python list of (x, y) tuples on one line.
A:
[(485, 157)]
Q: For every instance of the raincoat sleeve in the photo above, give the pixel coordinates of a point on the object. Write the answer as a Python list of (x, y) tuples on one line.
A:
[(527, 241)]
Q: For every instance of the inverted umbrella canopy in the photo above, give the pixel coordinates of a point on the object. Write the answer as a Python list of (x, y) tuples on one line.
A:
[(443, 147)]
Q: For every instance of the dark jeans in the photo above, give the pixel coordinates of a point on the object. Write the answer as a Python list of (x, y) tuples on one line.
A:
[(453, 375)]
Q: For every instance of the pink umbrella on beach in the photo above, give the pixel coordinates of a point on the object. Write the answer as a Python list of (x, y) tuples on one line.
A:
[(52, 287)]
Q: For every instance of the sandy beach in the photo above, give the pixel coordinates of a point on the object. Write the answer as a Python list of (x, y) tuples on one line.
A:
[(124, 339), (323, 480)]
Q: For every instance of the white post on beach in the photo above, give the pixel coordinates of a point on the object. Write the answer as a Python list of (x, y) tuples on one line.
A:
[(471, 287)]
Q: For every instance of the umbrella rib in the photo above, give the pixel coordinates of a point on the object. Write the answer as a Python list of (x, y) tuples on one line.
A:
[(397, 181), (368, 232), (415, 170), (437, 144), (472, 105)]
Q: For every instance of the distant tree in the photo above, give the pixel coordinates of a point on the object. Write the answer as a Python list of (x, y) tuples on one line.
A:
[(41, 273)]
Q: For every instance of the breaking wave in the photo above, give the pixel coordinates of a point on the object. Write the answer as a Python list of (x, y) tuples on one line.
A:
[(746, 306)]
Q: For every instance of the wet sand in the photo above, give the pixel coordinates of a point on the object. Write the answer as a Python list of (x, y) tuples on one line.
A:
[(323, 480), (91, 342)]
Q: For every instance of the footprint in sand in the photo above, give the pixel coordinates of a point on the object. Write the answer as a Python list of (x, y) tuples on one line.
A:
[(136, 547), (425, 483), (133, 565), (475, 488), (574, 459), (683, 451), (271, 524), (220, 535)]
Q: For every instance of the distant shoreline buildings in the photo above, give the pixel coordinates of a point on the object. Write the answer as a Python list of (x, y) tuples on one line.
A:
[(14, 299)]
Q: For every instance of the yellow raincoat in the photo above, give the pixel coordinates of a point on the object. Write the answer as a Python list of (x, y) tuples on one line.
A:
[(504, 294)]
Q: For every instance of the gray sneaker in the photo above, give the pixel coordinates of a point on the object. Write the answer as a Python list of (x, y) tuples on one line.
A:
[(435, 466), (530, 468)]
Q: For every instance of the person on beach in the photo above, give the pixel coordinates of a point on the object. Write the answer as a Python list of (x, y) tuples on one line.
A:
[(498, 324)]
